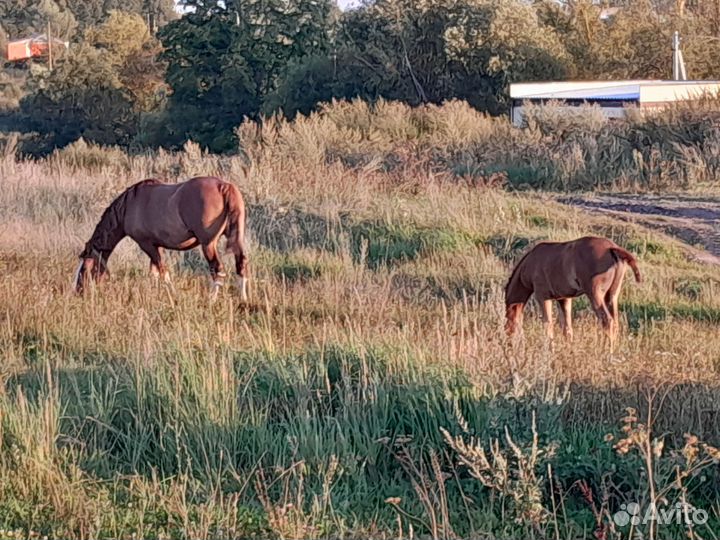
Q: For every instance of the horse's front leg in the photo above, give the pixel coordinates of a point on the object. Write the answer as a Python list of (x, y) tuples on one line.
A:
[(547, 315), (216, 268), (565, 305), (157, 265)]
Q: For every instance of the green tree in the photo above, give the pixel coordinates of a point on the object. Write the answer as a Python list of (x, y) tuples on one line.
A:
[(93, 12), (306, 82), (226, 57), (22, 17), (393, 49), (502, 41), (635, 42), (82, 97), (213, 85), (397, 48), (430, 51), (133, 52)]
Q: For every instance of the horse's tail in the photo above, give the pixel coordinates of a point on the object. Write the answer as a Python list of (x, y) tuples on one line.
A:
[(629, 258), (235, 215)]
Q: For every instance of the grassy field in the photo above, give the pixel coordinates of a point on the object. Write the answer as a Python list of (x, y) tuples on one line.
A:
[(368, 392)]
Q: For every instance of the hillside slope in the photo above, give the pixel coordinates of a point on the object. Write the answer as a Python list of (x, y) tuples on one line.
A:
[(376, 321)]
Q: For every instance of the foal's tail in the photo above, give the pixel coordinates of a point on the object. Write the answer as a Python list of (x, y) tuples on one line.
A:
[(629, 258), (235, 212)]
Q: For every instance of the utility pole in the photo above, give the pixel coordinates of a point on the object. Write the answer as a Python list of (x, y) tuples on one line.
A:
[(50, 46), (151, 11), (679, 73)]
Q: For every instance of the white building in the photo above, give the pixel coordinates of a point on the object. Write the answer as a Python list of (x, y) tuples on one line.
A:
[(612, 96)]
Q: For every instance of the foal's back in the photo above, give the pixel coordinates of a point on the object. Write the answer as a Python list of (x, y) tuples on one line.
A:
[(567, 269)]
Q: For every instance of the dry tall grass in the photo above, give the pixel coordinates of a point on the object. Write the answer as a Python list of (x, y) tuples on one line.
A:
[(138, 412), (677, 147)]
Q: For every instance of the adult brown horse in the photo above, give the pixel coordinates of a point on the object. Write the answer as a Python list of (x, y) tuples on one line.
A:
[(561, 271), (171, 216)]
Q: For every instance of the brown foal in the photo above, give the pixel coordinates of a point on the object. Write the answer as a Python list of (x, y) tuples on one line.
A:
[(561, 271), (179, 217)]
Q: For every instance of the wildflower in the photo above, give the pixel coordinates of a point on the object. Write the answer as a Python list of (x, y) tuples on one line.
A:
[(711, 451), (623, 446), (657, 447)]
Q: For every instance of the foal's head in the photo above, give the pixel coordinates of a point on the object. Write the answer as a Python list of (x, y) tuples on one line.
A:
[(516, 296), (93, 266), (513, 317)]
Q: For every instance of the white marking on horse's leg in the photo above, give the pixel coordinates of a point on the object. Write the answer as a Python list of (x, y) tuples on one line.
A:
[(168, 281), (215, 289), (76, 277), (155, 273), (242, 285)]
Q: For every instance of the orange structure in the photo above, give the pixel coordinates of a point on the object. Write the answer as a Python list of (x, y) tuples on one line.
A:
[(34, 46)]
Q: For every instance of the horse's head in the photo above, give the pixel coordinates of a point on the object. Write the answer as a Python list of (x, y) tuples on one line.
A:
[(513, 317), (92, 267)]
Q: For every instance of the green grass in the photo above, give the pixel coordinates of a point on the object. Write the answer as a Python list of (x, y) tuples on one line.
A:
[(299, 415), (304, 266), (653, 249), (510, 248), (653, 311), (383, 244)]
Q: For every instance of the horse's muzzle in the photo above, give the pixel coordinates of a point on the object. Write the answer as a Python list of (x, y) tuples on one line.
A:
[(79, 278)]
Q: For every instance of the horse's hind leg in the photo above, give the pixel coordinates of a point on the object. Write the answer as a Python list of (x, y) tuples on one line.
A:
[(597, 300), (611, 299), (216, 268), (242, 272)]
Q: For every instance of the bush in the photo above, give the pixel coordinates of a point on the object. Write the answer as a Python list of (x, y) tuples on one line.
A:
[(81, 156), (556, 150), (82, 97)]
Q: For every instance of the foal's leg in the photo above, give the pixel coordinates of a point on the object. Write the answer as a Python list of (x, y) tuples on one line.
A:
[(565, 305), (242, 272), (611, 299), (216, 268), (612, 295), (597, 300), (547, 315)]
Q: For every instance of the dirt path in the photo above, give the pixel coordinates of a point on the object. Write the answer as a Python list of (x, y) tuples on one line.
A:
[(694, 220)]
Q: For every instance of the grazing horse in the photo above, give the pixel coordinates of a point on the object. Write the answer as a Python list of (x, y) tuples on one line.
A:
[(561, 271), (171, 216)]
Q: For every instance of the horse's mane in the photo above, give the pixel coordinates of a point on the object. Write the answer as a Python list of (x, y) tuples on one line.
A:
[(517, 268), (111, 220)]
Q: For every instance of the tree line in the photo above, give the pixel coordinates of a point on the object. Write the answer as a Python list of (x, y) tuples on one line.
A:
[(200, 74)]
